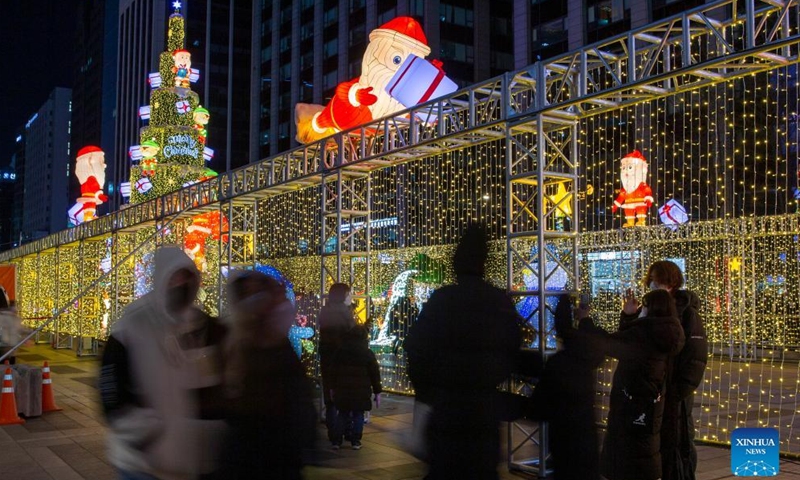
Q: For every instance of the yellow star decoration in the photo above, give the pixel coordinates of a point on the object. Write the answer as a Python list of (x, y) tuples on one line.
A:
[(562, 200), (735, 265)]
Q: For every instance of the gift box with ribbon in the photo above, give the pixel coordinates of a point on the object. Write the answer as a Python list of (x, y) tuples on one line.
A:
[(183, 106), (135, 153), (75, 214), (417, 81), (194, 75), (208, 154), (143, 185), (673, 214), (154, 79), (144, 112), (125, 189)]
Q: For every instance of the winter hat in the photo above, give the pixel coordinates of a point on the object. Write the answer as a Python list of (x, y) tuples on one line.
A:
[(201, 110), (405, 31), (88, 149), (636, 155), (151, 143), (180, 50)]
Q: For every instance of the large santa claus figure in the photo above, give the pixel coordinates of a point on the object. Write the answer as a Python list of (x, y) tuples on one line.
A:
[(90, 168), (635, 197), (365, 98)]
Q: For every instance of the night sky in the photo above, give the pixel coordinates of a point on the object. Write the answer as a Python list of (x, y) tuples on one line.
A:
[(36, 38)]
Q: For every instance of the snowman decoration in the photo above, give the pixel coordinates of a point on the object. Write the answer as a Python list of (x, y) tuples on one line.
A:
[(90, 168), (635, 197), (365, 98)]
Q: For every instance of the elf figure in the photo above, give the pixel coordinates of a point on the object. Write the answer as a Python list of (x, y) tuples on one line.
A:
[(90, 168), (205, 225), (201, 118), (149, 150), (182, 68), (365, 98), (635, 196)]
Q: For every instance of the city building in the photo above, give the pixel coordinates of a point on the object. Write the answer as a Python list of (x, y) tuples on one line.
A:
[(47, 167), (220, 46), (94, 89), (18, 164)]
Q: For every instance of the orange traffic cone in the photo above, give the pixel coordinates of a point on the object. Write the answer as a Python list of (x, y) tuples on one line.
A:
[(8, 404), (48, 402)]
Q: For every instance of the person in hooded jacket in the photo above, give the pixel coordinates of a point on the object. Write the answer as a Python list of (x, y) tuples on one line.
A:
[(270, 399), (463, 345), (631, 447), (335, 320), (11, 329), (160, 378), (678, 453), (355, 378), (564, 396)]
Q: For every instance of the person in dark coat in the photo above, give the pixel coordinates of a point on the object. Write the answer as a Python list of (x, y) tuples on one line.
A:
[(644, 346), (271, 412), (565, 393), (335, 320), (678, 453), (463, 345), (355, 378)]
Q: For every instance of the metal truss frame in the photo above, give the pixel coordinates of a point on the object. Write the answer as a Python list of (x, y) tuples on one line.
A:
[(346, 229)]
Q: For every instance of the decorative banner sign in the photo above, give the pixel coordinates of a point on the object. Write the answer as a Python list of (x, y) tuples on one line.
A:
[(180, 145)]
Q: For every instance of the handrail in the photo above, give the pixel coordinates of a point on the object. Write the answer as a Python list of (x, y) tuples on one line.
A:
[(153, 237)]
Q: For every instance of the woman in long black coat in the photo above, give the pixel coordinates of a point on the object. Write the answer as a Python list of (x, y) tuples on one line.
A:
[(644, 347), (355, 378)]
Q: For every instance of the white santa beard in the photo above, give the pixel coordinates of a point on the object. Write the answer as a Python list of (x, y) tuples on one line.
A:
[(631, 183), (378, 77)]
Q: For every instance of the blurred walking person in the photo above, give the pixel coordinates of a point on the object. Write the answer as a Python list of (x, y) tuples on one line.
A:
[(644, 347), (160, 378), (678, 453), (355, 379), (335, 320), (270, 400), (11, 329), (463, 345)]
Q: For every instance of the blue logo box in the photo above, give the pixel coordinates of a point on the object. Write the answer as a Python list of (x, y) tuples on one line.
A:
[(754, 452)]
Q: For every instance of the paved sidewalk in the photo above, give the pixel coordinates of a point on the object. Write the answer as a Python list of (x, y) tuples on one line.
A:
[(69, 445)]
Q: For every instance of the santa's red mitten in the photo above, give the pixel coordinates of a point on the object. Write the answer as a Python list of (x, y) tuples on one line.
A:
[(614, 209), (365, 96)]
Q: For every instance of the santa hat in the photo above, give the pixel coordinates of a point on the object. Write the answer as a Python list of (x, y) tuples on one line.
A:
[(636, 155), (88, 149), (405, 31), (180, 50)]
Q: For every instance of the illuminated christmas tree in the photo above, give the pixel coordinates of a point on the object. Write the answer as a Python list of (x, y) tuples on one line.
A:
[(172, 151)]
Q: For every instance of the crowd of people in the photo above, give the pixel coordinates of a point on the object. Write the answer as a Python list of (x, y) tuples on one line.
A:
[(190, 396)]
